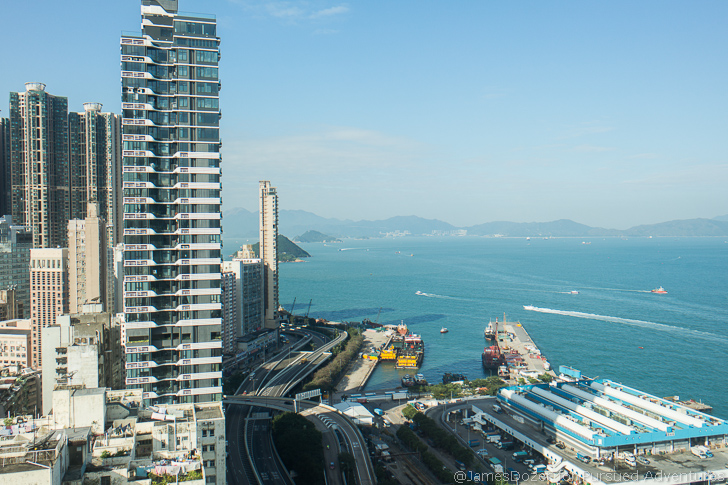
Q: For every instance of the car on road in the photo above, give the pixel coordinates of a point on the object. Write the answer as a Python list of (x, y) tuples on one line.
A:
[(331, 465), (642, 460), (482, 452)]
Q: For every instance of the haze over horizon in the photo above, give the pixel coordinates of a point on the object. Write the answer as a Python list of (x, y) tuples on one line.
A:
[(612, 115)]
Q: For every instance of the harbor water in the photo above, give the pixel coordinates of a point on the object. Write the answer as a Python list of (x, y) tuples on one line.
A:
[(614, 327)]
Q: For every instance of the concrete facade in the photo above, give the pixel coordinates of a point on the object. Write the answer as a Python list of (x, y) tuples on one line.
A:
[(268, 207), (87, 264), (48, 293), (242, 300), (109, 437), (15, 343), (83, 351), (20, 391)]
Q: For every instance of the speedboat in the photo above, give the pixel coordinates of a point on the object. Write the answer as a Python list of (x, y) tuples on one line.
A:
[(574, 292)]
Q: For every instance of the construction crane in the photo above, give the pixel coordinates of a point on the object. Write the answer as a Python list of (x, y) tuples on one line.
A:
[(309, 307)]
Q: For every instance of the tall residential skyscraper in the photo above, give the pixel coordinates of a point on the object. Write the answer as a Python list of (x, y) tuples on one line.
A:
[(5, 206), (87, 261), (95, 166), (39, 164), (172, 205), (15, 244), (48, 293), (268, 251)]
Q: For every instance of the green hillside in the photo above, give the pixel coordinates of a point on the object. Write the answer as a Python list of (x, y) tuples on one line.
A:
[(287, 250), (315, 236)]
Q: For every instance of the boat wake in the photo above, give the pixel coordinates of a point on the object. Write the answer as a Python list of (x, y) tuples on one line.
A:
[(432, 295), (617, 289), (635, 323)]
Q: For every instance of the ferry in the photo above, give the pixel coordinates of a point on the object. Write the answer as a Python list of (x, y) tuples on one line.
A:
[(660, 290)]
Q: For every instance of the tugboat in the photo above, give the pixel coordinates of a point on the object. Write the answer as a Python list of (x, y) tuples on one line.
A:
[(490, 330), (407, 381)]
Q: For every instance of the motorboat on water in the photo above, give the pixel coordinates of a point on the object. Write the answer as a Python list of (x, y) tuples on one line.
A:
[(408, 381), (659, 290), (444, 330)]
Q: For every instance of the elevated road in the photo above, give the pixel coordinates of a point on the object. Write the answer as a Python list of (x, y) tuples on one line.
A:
[(352, 441), (262, 390)]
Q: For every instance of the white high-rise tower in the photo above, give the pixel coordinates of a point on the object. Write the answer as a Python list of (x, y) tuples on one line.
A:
[(172, 205), (269, 252)]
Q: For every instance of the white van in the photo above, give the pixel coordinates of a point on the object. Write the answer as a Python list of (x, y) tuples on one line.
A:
[(630, 459)]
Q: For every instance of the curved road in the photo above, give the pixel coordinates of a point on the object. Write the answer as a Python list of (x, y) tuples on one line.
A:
[(248, 424)]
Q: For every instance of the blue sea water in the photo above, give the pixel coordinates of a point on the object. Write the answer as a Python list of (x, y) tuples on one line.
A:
[(671, 344)]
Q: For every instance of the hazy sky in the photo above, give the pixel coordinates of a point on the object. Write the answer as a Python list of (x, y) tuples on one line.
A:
[(612, 114)]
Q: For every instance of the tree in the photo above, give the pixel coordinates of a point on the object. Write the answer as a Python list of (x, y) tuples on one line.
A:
[(409, 411), (546, 377), (300, 446), (348, 465)]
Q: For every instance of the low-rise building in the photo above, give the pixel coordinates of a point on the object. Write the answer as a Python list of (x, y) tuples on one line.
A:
[(20, 391), (358, 413), (15, 343), (108, 437), (82, 350)]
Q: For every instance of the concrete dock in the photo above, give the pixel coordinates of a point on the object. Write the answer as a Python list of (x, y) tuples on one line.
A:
[(513, 337), (359, 370)]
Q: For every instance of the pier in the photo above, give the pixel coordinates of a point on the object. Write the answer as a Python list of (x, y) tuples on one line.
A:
[(523, 357), (361, 369)]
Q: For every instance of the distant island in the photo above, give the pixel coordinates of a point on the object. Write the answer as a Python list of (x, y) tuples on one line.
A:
[(301, 222), (288, 251), (315, 236)]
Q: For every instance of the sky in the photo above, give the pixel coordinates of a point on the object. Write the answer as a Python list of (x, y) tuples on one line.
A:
[(612, 114)]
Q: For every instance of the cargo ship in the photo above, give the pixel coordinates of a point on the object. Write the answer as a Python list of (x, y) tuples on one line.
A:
[(492, 357)]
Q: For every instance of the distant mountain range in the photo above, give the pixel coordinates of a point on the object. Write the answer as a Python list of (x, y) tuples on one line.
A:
[(241, 223)]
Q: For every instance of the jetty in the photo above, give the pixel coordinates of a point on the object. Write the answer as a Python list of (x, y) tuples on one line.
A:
[(521, 358)]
